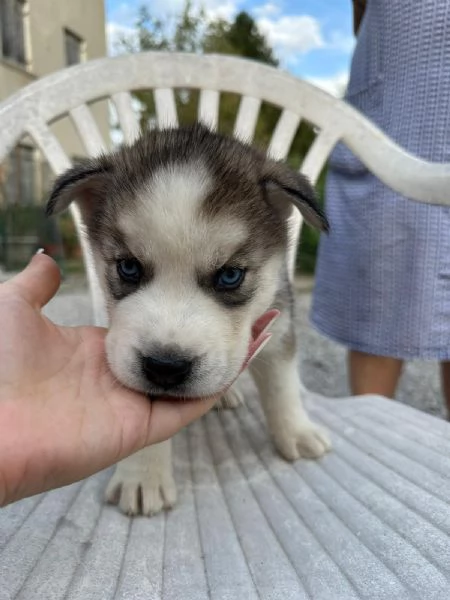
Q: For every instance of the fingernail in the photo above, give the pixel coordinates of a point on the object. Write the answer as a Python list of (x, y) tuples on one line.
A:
[(264, 322), (40, 251), (263, 343), (271, 322)]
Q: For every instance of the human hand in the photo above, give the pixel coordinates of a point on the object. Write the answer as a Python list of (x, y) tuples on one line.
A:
[(63, 415)]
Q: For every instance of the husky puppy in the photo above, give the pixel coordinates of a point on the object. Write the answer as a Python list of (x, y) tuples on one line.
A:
[(189, 231)]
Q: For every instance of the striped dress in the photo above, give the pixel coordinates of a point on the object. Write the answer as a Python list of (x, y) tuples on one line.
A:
[(383, 274)]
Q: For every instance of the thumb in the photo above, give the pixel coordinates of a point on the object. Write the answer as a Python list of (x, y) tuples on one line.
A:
[(168, 416), (39, 281)]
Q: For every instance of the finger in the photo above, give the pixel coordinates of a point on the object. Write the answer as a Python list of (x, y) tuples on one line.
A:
[(264, 322), (260, 335), (170, 415), (255, 348), (173, 415), (39, 281)]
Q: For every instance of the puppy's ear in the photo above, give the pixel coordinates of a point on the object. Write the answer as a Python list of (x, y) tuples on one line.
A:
[(284, 188), (85, 183)]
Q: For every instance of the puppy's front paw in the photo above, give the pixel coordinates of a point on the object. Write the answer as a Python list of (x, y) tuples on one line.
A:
[(141, 492), (304, 440), (232, 398)]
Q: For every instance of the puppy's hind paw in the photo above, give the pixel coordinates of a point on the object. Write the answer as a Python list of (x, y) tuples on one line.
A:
[(141, 493), (306, 440)]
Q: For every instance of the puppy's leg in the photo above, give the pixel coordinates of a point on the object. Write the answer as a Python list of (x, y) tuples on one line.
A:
[(276, 376), (143, 483)]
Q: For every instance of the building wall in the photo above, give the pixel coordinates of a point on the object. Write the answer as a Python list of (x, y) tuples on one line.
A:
[(45, 22), (49, 18), (12, 77), (84, 18)]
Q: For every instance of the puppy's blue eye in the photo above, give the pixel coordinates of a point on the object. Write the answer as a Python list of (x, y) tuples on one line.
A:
[(129, 270), (229, 278)]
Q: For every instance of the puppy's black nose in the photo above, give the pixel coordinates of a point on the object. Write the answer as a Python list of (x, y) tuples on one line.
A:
[(166, 371)]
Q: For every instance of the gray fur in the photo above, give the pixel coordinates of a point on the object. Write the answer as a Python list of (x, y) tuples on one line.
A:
[(248, 184), (188, 204)]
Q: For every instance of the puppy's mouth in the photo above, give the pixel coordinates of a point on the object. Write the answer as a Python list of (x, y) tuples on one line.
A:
[(258, 339)]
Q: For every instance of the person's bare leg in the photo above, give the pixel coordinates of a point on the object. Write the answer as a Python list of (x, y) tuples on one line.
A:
[(445, 379), (370, 374)]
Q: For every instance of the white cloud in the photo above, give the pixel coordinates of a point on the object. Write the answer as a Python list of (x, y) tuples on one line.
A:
[(341, 42), (114, 34), (334, 85), (213, 8), (266, 10), (293, 35), (220, 10)]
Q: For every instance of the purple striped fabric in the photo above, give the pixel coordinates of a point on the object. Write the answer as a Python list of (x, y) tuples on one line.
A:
[(383, 274)]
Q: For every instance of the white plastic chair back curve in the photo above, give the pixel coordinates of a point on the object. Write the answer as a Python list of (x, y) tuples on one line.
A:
[(68, 92)]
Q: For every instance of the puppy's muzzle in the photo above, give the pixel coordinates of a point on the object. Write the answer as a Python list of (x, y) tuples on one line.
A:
[(166, 370)]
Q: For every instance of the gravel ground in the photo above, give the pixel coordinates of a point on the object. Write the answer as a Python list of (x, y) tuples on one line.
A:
[(322, 362)]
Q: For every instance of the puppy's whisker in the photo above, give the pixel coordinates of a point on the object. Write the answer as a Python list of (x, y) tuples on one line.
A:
[(190, 232)]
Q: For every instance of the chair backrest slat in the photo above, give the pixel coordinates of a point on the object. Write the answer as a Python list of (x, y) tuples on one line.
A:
[(96, 291), (311, 167), (59, 162), (54, 96), (29, 110), (208, 110), (49, 145), (87, 130), (283, 135), (128, 120), (166, 110), (318, 154), (246, 119)]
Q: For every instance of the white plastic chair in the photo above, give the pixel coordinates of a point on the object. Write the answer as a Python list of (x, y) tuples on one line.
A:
[(30, 111), (370, 519)]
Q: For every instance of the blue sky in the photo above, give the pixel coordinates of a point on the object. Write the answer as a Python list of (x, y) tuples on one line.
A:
[(312, 38)]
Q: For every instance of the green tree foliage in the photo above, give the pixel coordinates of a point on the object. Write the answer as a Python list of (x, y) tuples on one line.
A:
[(189, 31), (240, 37), (182, 33)]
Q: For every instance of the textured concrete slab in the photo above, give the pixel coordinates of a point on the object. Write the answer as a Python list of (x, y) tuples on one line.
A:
[(369, 520)]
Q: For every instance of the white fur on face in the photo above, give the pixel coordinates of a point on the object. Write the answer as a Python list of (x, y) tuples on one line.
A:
[(168, 232)]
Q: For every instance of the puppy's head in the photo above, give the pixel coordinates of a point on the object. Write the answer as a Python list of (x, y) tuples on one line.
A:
[(189, 233)]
